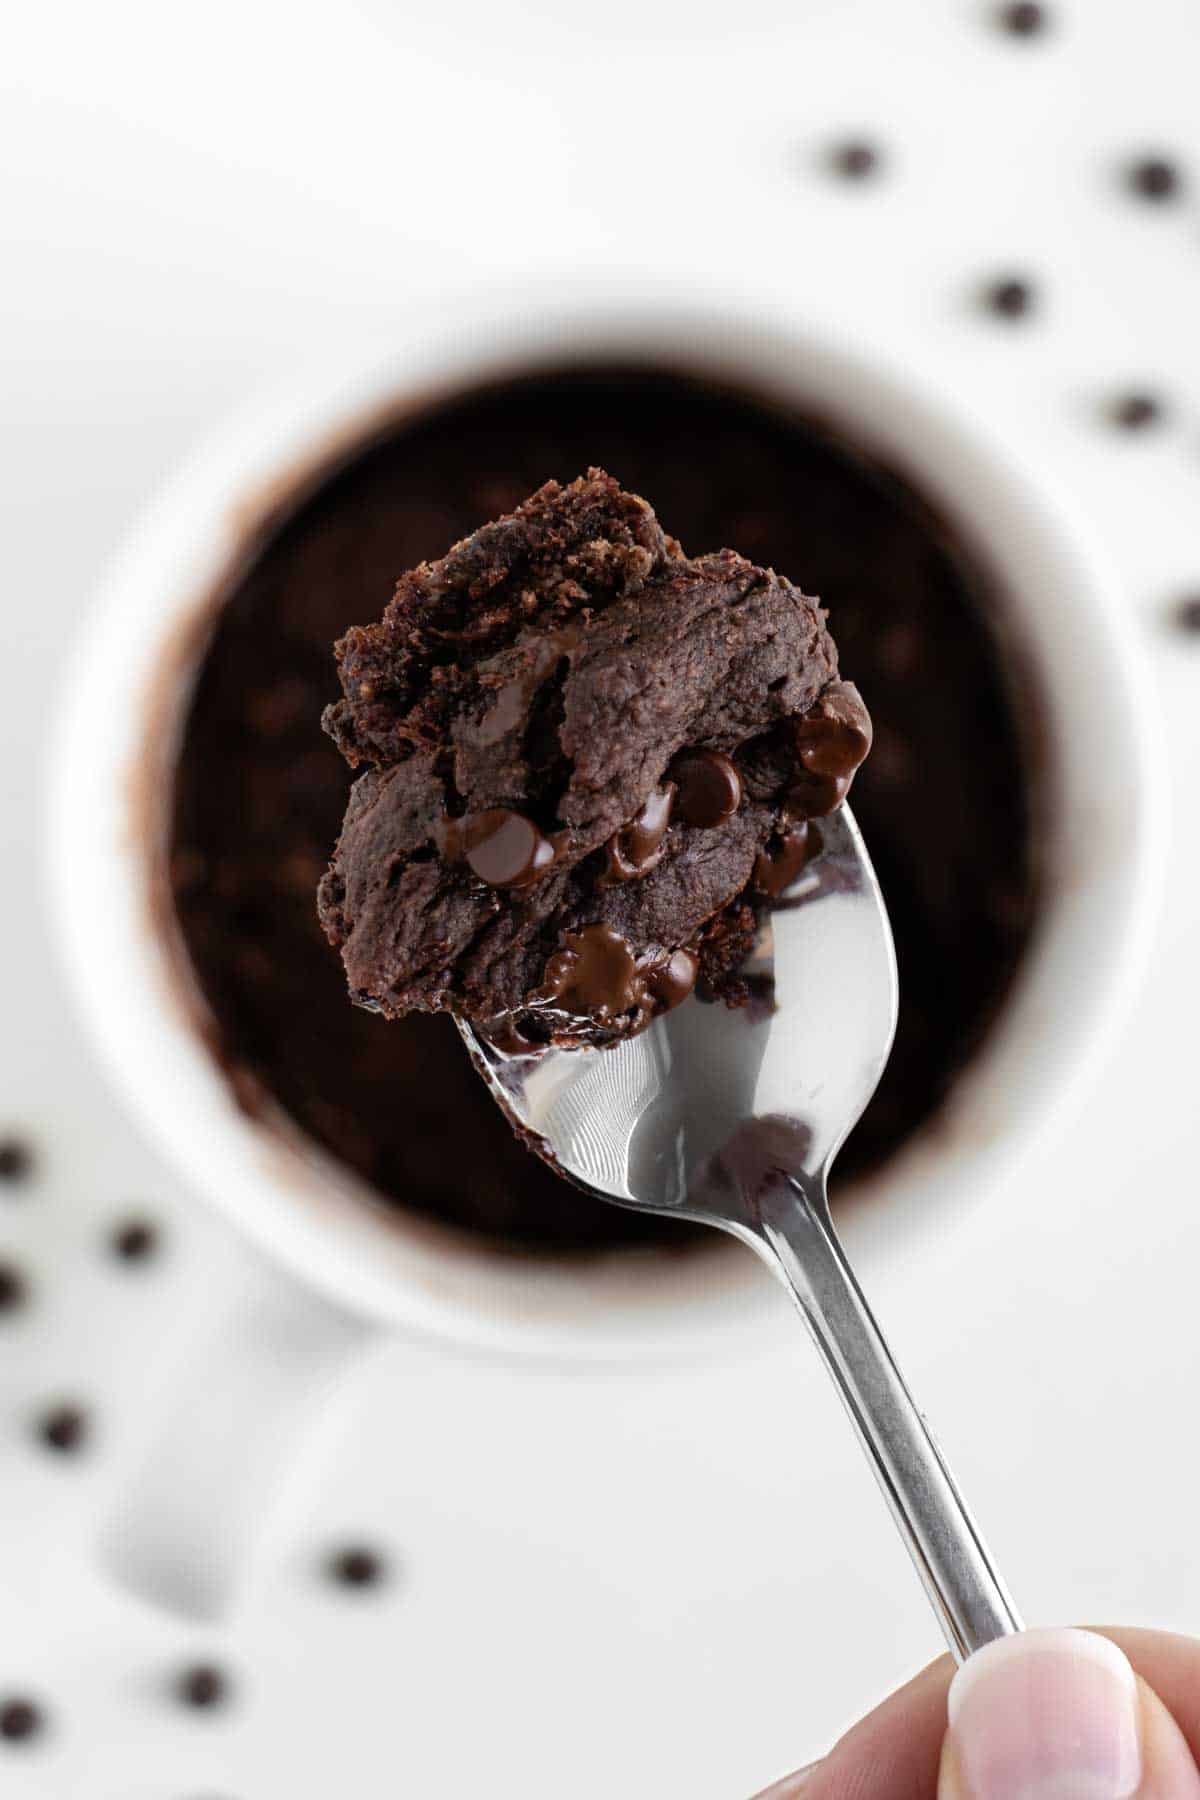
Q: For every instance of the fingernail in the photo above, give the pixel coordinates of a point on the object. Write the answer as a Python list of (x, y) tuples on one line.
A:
[(1047, 1715)]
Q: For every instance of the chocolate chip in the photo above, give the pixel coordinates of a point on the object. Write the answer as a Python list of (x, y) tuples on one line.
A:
[(638, 847), (1010, 297), (670, 982), (1023, 18), (834, 738), (855, 159), (1186, 613), (134, 1240), (20, 1719), (16, 1160), (64, 1429), (778, 865), (500, 846), (1134, 412), (202, 1686), (816, 796), (357, 1566), (594, 974), (14, 1289), (709, 788), (1155, 178)]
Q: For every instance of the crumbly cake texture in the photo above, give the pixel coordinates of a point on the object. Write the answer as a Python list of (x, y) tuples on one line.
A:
[(590, 760)]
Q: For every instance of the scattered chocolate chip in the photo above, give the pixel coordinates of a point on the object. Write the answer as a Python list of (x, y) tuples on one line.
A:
[(1010, 297), (1134, 412), (358, 1567), (1187, 613), (202, 1686), (20, 1719), (1023, 18), (1155, 178), (709, 788), (63, 1428), (14, 1289), (134, 1240), (855, 159), (16, 1160)]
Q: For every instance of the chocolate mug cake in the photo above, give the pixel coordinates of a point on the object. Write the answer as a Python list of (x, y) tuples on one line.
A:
[(946, 801), (589, 759)]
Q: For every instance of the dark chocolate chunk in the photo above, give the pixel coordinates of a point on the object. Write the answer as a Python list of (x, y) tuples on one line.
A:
[(20, 1719), (64, 1429)]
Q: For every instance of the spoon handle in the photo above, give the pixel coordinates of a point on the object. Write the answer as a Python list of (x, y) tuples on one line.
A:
[(952, 1559)]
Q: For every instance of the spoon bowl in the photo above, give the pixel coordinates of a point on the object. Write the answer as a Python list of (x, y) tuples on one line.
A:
[(659, 1120), (733, 1116)]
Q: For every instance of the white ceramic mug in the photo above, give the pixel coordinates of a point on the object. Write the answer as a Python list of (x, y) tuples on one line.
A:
[(355, 1265)]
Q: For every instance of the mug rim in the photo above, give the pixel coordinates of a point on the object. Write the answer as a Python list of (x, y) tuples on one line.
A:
[(306, 1210)]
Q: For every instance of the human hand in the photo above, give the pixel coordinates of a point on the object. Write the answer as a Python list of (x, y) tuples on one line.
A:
[(1045, 1715)]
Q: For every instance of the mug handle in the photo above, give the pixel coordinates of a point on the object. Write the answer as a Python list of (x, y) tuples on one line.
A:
[(266, 1358)]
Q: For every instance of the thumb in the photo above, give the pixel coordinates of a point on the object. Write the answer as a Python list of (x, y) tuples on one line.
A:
[(1060, 1715)]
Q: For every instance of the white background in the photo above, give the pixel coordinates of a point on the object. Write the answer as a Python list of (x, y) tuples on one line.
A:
[(640, 1583)]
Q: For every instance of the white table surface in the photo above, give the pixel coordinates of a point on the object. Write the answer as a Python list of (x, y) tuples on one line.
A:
[(635, 1583)]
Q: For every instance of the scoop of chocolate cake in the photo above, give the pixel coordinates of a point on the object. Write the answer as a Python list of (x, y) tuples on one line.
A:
[(592, 761)]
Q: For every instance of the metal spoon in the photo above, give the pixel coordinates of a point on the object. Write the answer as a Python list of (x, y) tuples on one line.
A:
[(734, 1117)]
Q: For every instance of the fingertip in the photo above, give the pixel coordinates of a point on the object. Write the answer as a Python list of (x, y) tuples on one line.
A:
[(1169, 1770), (792, 1786)]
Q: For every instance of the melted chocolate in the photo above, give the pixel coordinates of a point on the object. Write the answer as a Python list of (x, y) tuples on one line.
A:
[(817, 796), (638, 848), (779, 864), (670, 982), (500, 846), (594, 973), (834, 738), (831, 742), (710, 788), (260, 792), (510, 704), (596, 977)]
